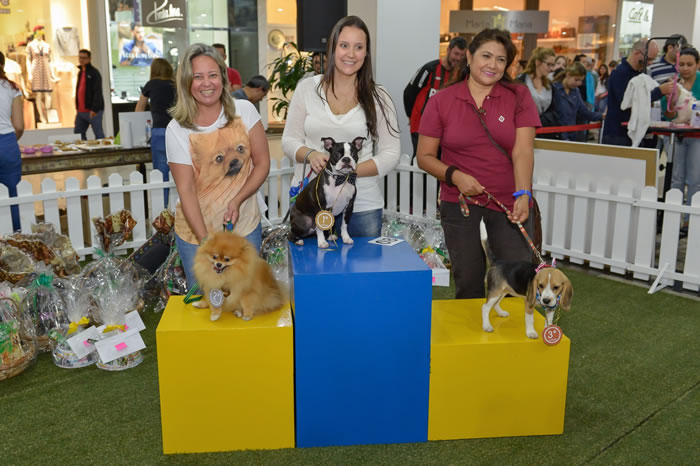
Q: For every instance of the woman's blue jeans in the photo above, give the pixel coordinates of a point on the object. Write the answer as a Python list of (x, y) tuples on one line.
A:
[(11, 171), (160, 160)]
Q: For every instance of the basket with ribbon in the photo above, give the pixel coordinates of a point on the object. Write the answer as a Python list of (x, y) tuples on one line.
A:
[(17, 339)]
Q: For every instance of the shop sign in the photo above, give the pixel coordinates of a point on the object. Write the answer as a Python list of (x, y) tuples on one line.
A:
[(635, 18), (467, 21), (164, 13)]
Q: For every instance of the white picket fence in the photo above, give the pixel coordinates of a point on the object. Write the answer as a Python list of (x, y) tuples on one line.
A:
[(606, 226)]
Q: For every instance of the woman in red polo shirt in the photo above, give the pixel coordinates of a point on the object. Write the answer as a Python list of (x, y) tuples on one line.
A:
[(472, 161)]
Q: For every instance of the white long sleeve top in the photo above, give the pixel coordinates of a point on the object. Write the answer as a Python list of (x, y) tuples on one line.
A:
[(310, 118), (638, 97)]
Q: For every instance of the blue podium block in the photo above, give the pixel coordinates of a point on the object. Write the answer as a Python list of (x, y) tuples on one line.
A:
[(362, 343)]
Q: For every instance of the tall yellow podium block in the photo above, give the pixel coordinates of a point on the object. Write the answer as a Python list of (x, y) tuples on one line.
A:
[(498, 384), (225, 385)]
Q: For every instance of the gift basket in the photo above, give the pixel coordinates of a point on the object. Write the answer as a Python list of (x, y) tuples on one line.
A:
[(107, 268), (47, 247), (15, 264), (46, 309), (153, 256), (66, 257), (426, 237), (80, 306), (120, 344), (17, 344), (274, 250)]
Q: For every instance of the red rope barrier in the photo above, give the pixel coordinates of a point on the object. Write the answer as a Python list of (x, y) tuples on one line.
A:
[(566, 129)]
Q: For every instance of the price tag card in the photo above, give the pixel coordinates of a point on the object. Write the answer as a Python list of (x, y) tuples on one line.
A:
[(386, 241), (133, 320), (79, 343), (120, 345)]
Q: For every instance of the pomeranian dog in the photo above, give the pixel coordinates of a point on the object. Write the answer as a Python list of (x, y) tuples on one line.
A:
[(230, 263), (221, 160)]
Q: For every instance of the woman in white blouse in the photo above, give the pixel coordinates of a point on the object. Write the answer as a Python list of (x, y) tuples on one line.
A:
[(344, 103)]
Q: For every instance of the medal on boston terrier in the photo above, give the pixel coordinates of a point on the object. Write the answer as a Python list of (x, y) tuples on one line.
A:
[(324, 220)]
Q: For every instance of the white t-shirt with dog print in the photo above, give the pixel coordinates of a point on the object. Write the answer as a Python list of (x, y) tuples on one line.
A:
[(310, 118), (194, 147)]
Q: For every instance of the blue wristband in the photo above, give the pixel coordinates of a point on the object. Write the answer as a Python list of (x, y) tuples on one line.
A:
[(517, 194)]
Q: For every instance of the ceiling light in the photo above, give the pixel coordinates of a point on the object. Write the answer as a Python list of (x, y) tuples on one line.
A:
[(500, 8), (280, 9)]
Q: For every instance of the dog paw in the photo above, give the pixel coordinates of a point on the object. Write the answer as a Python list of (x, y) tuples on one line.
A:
[(215, 317), (238, 313), (201, 304), (487, 328), (531, 334), (299, 242), (348, 240), (502, 313), (332, 237), (323, 245), (247, 318)]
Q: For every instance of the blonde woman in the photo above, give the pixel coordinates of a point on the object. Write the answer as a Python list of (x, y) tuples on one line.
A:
[(160, 91), (535, 77), (218, 154), (568, 100)]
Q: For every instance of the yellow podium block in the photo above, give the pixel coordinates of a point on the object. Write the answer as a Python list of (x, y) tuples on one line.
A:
[(498, 384), (225, 385)]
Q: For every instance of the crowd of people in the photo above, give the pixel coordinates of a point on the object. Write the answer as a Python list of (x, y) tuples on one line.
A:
[(472, 125)]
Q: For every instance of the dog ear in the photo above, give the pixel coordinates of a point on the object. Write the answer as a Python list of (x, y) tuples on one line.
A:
[(357, 142), (531, 293), (327, 143), (566, 295)]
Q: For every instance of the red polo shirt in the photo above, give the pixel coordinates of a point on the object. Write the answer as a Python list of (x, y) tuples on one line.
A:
[(450, 117), (234, 77)]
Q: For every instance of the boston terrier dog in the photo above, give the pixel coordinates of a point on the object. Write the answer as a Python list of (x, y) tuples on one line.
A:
[(332, 191)]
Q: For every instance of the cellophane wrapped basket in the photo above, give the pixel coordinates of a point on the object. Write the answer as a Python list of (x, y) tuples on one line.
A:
[(17, 339), (79, 306)]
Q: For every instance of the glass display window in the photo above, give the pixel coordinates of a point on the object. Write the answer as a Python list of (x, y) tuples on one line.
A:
[(141, 31), (41, 41)]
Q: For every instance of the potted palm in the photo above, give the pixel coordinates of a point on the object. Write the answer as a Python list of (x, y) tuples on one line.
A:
[(287, 71)]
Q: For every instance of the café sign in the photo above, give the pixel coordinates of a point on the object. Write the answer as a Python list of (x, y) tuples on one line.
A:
[(466, 21)]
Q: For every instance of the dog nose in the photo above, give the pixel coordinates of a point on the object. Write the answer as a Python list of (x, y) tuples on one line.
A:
[(546, 300), (346, 160), (218, 265)]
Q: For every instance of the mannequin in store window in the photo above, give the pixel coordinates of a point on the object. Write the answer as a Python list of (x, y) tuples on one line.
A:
[(39, 74)]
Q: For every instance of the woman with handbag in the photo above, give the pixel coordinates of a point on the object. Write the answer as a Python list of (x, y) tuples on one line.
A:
[(485, 125)]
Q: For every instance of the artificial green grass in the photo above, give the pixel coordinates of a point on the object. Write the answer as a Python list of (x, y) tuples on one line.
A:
[(633, 398)]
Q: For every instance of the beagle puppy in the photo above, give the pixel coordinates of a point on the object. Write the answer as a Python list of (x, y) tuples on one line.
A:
[(543, 285)]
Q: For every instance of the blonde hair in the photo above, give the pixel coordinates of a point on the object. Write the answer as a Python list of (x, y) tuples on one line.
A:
[(539, 54), (161, 69), (574, 69), (185, 109)]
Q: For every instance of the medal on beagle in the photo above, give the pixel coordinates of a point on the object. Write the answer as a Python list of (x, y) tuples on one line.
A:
[(544, 286)]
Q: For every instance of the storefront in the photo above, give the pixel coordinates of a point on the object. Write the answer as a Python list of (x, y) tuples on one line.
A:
[(596, 28), (40, 40), (140, 31)]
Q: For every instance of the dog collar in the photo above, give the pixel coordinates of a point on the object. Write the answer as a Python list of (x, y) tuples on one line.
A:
[(545, 265), (340, 178)]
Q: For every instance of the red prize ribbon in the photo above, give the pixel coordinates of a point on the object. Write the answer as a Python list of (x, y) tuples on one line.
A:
[(551, 335)]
